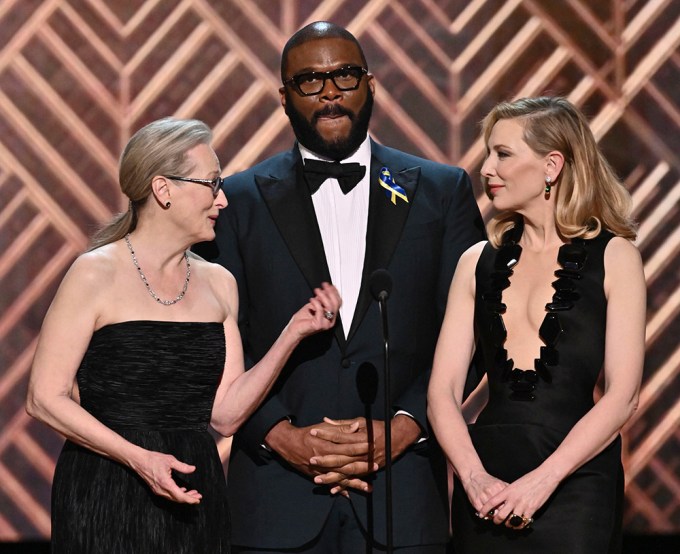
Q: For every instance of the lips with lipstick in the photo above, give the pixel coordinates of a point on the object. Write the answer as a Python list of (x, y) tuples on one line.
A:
[(493, 188)]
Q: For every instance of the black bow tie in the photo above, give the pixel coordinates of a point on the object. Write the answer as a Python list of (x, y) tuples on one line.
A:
[(348, 175)]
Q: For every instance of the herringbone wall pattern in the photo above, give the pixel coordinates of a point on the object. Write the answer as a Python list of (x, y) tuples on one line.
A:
[(77, 77)]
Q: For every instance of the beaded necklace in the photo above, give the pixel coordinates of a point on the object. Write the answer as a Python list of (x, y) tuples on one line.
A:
[(148, 286)]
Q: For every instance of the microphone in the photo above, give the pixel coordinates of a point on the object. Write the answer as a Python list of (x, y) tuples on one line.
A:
[(381, 287), (367, 384), (381, 284)]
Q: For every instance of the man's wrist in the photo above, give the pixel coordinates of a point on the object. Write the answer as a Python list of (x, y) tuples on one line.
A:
[(422, 433), (405, 431), (275, 435)]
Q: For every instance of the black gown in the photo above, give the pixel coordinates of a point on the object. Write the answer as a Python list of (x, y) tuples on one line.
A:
[(154, 383), (530, 412)]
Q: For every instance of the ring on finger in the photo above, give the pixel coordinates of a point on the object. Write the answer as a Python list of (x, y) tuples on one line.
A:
[(519, 522), (328, 315), (488, 515)]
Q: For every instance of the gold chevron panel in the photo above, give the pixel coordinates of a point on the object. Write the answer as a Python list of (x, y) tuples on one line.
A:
[(78, 77)]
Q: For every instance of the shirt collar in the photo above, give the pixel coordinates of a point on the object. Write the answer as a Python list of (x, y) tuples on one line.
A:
[(361, 155)]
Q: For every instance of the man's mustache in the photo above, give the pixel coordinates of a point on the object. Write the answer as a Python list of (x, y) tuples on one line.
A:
[(333, 110)]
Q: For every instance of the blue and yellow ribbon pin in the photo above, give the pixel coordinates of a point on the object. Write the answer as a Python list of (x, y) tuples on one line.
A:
[(392, 190)]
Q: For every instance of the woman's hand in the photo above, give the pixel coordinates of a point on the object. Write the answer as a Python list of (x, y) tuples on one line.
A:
[(319, 314), (481, 488), (523, 498), (156, 470)]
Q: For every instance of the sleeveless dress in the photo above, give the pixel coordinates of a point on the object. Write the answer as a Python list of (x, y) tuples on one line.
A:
[(154, 383), (530, 412)]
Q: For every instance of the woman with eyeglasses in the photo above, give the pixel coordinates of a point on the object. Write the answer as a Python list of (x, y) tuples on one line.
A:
[(140, 352), (554, 299)]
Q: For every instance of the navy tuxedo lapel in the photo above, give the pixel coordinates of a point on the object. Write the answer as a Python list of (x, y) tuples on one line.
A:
[(292, 210), (385, 224)]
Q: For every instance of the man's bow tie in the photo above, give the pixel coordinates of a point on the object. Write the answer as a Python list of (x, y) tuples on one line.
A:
[(348, 175)]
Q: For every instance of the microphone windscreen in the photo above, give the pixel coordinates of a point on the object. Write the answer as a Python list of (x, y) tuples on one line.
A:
[(381, 284), (367, 383)]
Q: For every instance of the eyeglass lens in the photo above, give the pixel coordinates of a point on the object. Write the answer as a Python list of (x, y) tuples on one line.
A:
[(345, 78)]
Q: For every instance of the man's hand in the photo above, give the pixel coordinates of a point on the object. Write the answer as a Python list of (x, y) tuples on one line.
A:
[(334, 469), (299, 446)]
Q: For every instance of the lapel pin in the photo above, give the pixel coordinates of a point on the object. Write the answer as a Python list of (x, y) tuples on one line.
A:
[(392, 189)]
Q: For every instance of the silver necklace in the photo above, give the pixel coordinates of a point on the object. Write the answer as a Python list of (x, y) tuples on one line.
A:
[(148, 286)]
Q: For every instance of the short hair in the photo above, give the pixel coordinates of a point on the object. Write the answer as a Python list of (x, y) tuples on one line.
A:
[(589, 196), (316, 31)]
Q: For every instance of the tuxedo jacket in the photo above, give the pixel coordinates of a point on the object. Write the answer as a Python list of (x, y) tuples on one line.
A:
[(268, 237)]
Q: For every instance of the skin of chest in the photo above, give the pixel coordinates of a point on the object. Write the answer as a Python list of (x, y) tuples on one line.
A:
[(530, 290)]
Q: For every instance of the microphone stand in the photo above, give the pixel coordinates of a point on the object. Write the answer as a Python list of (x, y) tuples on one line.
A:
[(382, 303)]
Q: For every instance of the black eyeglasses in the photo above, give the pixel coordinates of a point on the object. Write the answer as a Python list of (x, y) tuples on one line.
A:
[(215, 184), (345, 78)]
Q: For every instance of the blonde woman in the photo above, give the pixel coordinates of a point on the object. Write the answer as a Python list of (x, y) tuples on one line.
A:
[(140, 352), (555, 297)]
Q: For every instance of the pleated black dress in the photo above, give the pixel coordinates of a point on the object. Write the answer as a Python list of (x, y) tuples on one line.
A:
[(530, 412), (154, 383)]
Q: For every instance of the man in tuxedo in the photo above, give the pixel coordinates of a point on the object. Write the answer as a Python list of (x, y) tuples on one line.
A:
[(306, 470)]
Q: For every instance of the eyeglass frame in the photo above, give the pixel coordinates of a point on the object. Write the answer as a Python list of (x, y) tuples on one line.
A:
[(216, 183), (324, 76)]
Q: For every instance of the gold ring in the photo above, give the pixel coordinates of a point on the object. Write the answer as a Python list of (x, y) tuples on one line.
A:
[(519, 522), (515, 521)]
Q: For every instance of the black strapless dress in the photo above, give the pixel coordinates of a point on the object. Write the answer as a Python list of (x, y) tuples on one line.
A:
[(530, 412), (154, 383)]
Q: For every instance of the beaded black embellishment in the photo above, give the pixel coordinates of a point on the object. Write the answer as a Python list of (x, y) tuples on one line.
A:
[(572, 259)]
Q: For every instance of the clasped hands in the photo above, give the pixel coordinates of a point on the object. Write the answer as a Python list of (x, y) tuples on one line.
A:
[(510, 504), (341, 453)]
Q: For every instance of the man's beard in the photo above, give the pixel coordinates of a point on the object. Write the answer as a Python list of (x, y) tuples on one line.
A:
[(338, 148)]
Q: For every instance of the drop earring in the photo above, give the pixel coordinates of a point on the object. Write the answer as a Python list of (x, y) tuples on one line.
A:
[(548, 180)]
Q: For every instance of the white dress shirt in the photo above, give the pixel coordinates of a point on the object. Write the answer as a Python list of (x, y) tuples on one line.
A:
[(342, 220)]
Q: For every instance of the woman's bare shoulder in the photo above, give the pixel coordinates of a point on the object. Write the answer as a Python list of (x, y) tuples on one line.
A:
[(95, 267), (621, 253), (220, 280), (215, 272), (469, 258)]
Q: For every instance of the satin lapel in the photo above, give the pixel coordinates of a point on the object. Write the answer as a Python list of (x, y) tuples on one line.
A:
[(385, 224), (292, 210)]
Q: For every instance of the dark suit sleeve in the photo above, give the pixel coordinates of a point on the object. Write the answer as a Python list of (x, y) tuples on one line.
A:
[(271, 411), (463, 227)]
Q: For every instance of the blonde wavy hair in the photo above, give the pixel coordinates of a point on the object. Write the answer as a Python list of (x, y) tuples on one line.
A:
[(158, 148), (589, 196)]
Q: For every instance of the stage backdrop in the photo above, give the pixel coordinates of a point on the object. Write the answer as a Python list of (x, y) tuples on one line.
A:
[(77, 77)]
